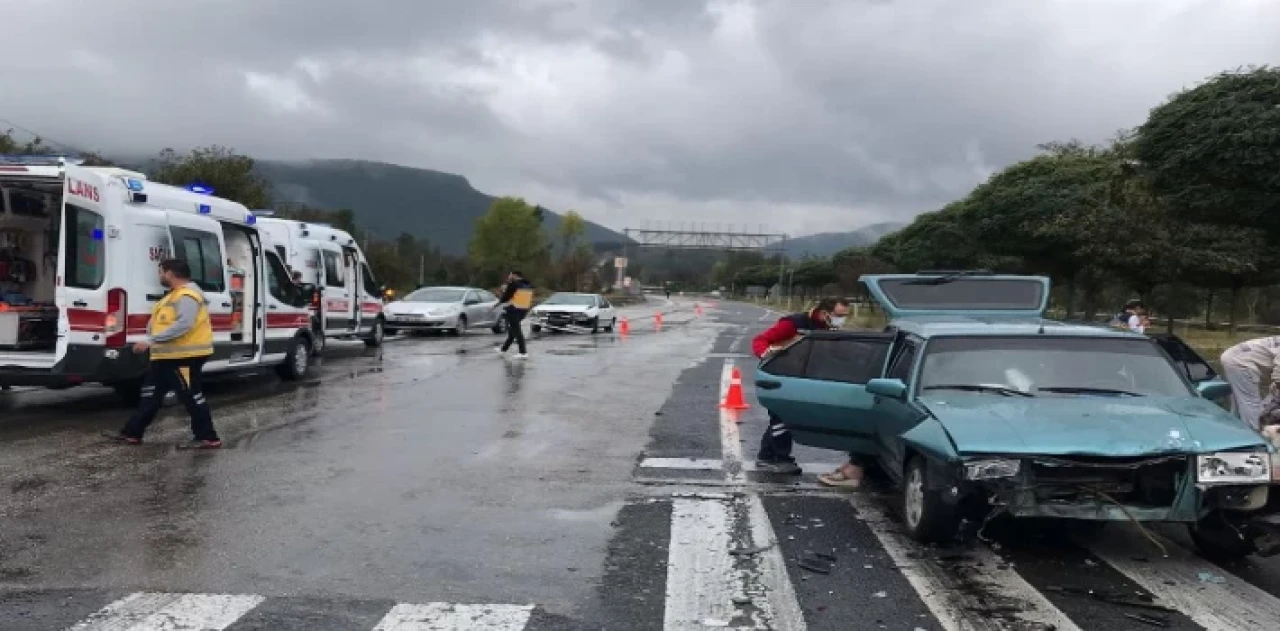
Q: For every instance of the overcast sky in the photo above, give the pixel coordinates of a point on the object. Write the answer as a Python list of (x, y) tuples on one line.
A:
[(803, 115)]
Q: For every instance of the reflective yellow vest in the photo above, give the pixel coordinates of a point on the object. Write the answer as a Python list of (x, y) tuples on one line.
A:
[(523, 299), (198, 342)]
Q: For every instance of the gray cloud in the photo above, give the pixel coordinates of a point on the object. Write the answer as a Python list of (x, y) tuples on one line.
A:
[(805, 115)]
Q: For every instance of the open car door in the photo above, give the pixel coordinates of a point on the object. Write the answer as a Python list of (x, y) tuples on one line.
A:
[(817, 386)]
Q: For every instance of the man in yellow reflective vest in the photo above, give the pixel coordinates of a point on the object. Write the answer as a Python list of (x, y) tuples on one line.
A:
[(516, 301), (180, 339)]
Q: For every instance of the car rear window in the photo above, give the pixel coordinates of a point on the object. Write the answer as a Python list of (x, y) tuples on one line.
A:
[(996, 294)]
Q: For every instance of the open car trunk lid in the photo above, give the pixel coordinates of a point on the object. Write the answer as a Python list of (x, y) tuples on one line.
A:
[(959, 294)]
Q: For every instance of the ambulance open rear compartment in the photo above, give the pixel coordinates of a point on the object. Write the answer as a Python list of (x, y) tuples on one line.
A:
[(31, 221)]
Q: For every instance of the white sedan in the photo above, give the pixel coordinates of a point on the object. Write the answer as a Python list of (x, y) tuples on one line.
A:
[(451, 309), (588, 311)]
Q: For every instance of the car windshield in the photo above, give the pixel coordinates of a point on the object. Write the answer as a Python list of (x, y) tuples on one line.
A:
[(581, 300), (1050, 366), (435, 294)]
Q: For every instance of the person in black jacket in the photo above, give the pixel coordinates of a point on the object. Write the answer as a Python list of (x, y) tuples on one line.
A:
[(517, 299)]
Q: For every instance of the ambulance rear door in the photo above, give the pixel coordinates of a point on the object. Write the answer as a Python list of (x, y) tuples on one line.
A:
[(197, 239), (90, 312)]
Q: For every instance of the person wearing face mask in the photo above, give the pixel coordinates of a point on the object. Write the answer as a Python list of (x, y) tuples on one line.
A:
[(775, 446), (179, 340)]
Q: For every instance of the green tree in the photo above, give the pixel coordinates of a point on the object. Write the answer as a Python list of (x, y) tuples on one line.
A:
[(937, 240), (1213, 151), (851, 264), (229, 174), (37, 147), (508, 236)]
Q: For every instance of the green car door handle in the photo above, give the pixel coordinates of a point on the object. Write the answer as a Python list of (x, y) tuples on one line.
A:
[(768, 385)]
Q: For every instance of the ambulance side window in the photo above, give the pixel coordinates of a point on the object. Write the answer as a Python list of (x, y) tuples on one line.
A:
[(277, 285), (83, 266), (370, 283), (203, 253), (332, 270)]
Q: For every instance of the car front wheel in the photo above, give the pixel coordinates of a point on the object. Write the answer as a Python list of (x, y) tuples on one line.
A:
[(460, 328), (927, 517), (1221, 537)]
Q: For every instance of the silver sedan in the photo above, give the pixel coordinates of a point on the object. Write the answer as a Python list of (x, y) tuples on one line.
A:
[(451, 309)]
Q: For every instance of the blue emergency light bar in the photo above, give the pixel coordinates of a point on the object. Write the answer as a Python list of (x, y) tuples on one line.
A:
[(200, 189)]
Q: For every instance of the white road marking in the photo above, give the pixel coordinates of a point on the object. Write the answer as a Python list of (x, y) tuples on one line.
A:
[(701, 581), (452, 617), (1233, 604), (730, 446), (780, 595), (170, 612), (955, 608)]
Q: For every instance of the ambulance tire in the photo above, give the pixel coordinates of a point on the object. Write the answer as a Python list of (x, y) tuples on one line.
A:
[(298, 360), (376, 335), (318, 340)]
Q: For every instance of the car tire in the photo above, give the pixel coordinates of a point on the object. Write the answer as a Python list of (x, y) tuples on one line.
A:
[(595, 325), (1218, 539), (535, 328), (297, 361), (377, 335), (460, 328), (926, 517), (612, 323), (500, 327), (390, 331)]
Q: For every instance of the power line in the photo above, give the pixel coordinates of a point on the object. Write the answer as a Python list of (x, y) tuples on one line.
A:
[(41, 137)]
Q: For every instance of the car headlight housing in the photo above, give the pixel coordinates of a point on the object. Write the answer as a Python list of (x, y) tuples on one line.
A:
[(991, 468), (1233, 467)]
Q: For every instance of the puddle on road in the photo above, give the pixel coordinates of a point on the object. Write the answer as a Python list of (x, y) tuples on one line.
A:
[(564, 351)]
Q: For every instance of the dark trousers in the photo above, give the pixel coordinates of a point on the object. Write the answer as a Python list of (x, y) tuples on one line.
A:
[(775, 445), (173, 375), (515, 331)]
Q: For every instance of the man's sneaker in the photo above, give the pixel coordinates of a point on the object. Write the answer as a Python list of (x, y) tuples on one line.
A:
[(780, 467), (122, 438), (201, 444), (500, 351), (522, 356)]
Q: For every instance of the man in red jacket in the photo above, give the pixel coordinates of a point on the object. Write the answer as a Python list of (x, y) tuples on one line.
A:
[(775, 447)]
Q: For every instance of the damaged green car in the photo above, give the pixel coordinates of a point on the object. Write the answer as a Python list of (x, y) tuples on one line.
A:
[(974, 404)]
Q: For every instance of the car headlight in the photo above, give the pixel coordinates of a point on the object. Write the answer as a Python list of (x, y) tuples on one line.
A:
[(1234, 467), (991, 469)]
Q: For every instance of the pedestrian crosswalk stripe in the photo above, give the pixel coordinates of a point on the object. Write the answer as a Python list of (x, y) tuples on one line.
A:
[(451, 617), (170, 612), (942, 593), (1230, 604)]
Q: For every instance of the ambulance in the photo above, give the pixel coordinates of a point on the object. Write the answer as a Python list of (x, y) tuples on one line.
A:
[(349, 302), (79, 250)]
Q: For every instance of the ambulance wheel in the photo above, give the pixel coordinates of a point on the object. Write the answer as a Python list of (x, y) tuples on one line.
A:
[(317, 342), (376, 336), (297, 361), (612, 323)]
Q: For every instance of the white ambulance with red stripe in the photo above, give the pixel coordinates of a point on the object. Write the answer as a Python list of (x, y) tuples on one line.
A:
[(349, 302), (79, 249)]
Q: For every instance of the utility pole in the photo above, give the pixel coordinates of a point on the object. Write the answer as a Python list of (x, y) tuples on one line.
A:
[(422, 270)]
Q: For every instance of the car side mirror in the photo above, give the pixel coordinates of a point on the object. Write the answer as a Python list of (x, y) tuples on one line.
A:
[(1213, 389), (888, 388)]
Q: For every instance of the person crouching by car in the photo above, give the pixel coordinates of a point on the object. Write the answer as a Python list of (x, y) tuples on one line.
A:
[(1245, 365), (775, 446)]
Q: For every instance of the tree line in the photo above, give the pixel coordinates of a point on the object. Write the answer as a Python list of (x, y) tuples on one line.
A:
[(1182, 212), (510, 235)]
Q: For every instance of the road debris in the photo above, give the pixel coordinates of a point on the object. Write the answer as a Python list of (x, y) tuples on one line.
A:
[(1210, 577), (1147, 620)]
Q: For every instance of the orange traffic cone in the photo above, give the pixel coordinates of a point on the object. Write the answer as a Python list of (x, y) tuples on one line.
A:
[(624, 327), (733, 398), (697, 310)]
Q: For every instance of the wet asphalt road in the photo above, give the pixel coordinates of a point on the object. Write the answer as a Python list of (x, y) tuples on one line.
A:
[(435, 485)]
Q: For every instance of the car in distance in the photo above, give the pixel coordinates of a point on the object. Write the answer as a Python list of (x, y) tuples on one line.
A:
[(973, 404), (564, 309), (447, 309)]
